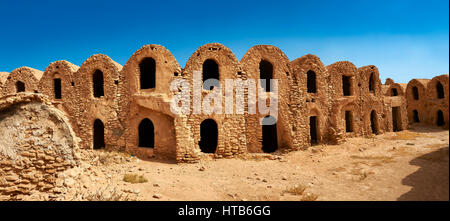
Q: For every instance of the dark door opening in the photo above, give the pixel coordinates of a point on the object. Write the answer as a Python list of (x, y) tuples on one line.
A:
[(415, 93), (210, 71), (396, 117), (439, 90), (20, 86), (346, 85), (269, 135), (373, 122), (208, 136), (99, 134), (372, 83), (440, 118), (311, 82), (98, 83), (146, 133), (147, 69), (313, 130), (57, 88), (394, 92), (348, 121), (416, 116), (266, 73)]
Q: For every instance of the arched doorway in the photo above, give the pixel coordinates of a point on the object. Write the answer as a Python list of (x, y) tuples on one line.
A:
[(416, 116), (147, 69), (440, 118), (394, 92), (208, 136), (99, 134), (396, 119), (210, 71), (269, 134), (266, 73), (348, 121), (311, 82), (313, 130), (57, 88), (97, 80), (373, 122), (20, 86), (146, 133)]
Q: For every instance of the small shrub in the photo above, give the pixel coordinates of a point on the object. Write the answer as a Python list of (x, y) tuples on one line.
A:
[(105, 194), (296, 190), (134, 178), (309, 197)]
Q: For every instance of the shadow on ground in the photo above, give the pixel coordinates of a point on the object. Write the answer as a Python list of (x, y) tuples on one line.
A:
[(430, 182)]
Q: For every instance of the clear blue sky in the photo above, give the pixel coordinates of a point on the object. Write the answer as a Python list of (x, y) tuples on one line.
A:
[(404, 39)]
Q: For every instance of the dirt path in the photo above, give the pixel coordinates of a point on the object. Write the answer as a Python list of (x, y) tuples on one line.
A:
[(408, 165)]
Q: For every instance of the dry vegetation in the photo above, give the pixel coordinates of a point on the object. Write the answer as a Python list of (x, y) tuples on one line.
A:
[(134, 178)]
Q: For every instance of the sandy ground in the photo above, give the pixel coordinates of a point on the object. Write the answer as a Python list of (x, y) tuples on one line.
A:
[(407, 165)]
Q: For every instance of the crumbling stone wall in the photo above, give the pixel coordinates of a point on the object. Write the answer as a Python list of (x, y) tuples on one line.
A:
[(3, 77), (137, 104), (36, 143), (231, 127), (28, 76), (394, 96), (68, 100), (306, 103), (103, 107), (437, 100), (416, 99), (250, 65)]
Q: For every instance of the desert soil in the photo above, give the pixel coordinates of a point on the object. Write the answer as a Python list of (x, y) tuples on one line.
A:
[(406, 165)]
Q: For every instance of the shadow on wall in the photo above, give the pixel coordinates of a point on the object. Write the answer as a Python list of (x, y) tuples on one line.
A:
[(430, 181)]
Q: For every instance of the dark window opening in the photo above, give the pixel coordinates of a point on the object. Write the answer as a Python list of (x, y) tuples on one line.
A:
[(57, 88), (313, 130), (440, 118), (208, 136), (348, 121), (394, 92), (210, 71), (346, 85), (416, 116), (99, 134), (373, 122), (269, 135), (311, 82), (147, 69), (415, 93), (20, 86), (72, 83), (98, 83), (146, 133), (266, 73), (396, 117), (372, 83), (440, 90)]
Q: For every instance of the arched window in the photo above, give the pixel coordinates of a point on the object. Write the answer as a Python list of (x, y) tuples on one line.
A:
[(57, 88), (311, 82), (416, 116), (147, 69), (99, 134), (415, 93), (266, 73), (269, 134), (97, 80), (210, 71), (146, 133), (439, 90), (394, 92), (372, 83), (20, 86), (208, 136)]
